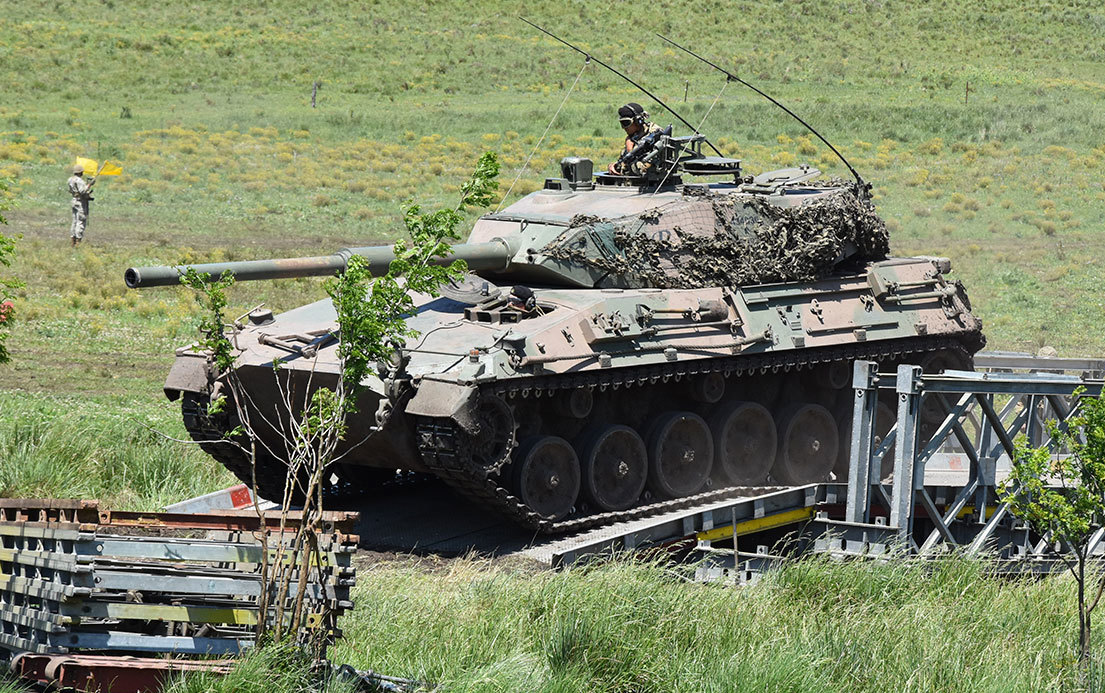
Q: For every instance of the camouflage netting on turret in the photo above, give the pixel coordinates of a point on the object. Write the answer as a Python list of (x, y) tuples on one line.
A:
[(709, 239)]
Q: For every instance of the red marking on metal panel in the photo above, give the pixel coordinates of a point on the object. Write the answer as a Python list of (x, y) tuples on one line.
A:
[(240, 497)]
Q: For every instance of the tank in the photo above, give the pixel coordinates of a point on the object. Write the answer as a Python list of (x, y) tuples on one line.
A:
[(692, 333)]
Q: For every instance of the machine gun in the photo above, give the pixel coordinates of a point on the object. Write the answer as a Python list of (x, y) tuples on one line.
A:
[(644, 147)]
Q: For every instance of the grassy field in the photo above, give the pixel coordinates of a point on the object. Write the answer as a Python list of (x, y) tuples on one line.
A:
[(978, 124), (118, 450), (815, 626)]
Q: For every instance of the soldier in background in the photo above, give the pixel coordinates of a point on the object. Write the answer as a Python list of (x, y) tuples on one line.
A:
[(634, 120), (81, 191)]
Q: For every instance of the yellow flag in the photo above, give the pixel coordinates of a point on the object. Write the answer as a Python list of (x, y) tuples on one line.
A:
[(109, 169), (91, 168), (89, 165)]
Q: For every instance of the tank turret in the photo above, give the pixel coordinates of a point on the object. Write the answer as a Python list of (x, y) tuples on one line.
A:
[(644, 231)]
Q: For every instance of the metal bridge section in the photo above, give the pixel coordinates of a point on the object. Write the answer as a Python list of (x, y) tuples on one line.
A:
[(760, 510), (77, 579), (960, 424)]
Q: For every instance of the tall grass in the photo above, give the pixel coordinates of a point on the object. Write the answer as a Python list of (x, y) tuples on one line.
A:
[(273, 669), (8, 684), (627, 626), (79, 448)]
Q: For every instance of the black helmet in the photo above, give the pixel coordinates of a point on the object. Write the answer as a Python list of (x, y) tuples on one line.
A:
[(632, 113), (522, 298)]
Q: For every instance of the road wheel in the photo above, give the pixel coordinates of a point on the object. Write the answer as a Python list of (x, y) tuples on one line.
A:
[(808, 445), (546, 476), (745, 442), (680, 454), (614, 466)]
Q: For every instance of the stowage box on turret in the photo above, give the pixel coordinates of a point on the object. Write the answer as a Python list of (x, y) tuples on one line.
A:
[(681, 338)]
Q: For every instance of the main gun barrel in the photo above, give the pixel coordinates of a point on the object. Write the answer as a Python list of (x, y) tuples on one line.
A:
[(494, 255)]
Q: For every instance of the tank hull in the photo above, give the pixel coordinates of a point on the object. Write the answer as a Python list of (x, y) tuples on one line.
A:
[(605, 403)]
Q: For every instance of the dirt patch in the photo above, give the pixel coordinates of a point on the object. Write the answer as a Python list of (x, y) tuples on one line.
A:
[(436, 564), (134, 232)]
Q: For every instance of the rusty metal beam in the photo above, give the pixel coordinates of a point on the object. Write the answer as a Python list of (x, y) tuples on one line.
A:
[(102, 673), (239, 521)]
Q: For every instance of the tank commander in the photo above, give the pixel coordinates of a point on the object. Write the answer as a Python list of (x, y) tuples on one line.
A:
[(634, 120), (523, 300), (81, 191)]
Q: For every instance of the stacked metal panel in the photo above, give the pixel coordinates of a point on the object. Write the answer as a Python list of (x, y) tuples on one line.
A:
[(75, 578)]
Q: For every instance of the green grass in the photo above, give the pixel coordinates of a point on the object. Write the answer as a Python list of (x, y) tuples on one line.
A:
[(8, 684), (814, 625), (224, 157), (268, 670), (624, 626), (121, 453)]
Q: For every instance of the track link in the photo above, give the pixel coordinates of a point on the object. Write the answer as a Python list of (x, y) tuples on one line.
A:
[(211, 437)]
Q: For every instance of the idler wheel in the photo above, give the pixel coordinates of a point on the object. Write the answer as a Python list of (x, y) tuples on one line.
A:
[(745, 442), (947, 360), (680, 454), (937, 362), (546, 476), (614, 466), (808, 445)]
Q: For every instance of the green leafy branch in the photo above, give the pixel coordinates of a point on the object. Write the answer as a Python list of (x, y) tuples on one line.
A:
[(6, 198), (371, 318), (1061, 495), (211, 296), (372, 312)]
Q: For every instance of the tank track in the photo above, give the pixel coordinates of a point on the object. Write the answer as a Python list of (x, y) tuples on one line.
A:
[(443, 445)]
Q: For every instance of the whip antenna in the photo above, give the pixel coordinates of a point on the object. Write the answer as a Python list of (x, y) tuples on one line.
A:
[(646, 92), (863, 186)]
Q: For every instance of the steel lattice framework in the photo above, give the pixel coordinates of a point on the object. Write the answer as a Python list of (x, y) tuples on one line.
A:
[(980, 415)]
